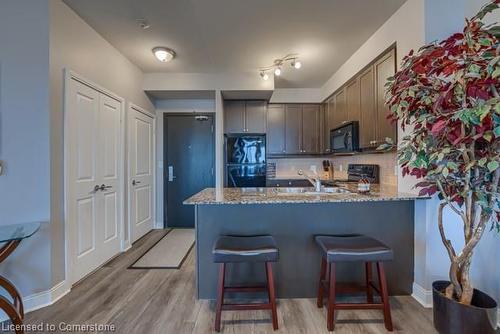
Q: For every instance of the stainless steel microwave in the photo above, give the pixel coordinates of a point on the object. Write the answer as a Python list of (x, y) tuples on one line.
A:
[(345, 138)]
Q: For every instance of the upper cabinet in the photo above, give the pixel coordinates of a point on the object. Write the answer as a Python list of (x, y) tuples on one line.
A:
[(339, 111), (245, 117), (367, 124), (293, 128), (362, 99), (234, 114), (310, 128), (255, 116), (384, 68), (276, 129), (353, 97)]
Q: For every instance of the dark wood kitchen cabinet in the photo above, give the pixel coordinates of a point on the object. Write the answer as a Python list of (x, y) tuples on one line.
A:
[(310, 129), (363, 99), (353, 98), (234, 114), (368, 121), (276, 129), (255, 116), (293, 128), (339, 112), (245, 116), (384, 68), (325, 129)]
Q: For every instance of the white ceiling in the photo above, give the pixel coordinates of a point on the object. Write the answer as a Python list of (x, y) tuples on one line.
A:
[(213, 36)]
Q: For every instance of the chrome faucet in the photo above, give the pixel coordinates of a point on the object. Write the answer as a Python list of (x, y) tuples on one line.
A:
[(315, 180)]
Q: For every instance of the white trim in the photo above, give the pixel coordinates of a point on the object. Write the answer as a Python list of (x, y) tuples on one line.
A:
[(42, 299), (498, 317), (421, 295), (127, 183), (68, 76)]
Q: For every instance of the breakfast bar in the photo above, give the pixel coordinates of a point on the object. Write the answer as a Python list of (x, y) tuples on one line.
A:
[(293, 216)]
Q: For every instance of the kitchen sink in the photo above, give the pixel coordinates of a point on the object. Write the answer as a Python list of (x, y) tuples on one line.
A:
[(310, 191)]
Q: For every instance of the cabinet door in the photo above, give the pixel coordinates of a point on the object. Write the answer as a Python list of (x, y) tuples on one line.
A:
[(234, 114), (384, 68), (276, 129), (310, 129), (368, 122), (324, 129), (255, 117), (293, 128), (339, 113), (353, 100)]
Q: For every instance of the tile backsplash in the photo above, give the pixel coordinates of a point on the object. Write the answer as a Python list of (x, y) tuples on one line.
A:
[(287, 168)]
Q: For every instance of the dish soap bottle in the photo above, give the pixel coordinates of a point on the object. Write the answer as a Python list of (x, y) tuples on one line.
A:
[(363, 185)]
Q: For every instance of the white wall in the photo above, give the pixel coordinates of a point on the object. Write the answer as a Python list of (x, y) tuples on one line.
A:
[(206, 81), (296, 95), (76, 46), (171, 106), (24, 137)]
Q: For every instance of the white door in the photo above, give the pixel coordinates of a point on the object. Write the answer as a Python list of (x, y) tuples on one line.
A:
[(94, 171), (141, 180)]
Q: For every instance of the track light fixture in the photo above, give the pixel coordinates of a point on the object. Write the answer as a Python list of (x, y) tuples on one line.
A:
[(277, 65)]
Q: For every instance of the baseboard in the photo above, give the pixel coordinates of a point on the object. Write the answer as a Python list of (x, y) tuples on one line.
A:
[(158, 226), (41, 299), (421, 295)]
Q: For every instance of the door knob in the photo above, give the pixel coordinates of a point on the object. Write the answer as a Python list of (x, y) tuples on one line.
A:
[(97, 188), (134, 182), (105, 187)]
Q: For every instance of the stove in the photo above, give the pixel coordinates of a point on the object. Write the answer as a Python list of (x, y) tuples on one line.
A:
[(356, 171)]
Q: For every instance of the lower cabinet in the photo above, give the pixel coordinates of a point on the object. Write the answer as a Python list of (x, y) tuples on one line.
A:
[(276, 183)]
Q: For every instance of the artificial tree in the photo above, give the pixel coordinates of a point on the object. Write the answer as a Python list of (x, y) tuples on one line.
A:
[(446, 96)]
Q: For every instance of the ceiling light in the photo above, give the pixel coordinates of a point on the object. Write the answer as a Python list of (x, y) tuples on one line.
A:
[(163, 54), (291, 58), (297, 64)]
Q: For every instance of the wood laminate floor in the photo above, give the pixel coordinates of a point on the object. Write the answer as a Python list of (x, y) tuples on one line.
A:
[(163, 301)]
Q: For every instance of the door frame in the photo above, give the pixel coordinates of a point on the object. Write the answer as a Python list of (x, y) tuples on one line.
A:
[(131, 108), (68, 242), (165, 115)]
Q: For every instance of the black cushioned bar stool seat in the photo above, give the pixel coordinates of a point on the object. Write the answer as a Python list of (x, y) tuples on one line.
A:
[(240, 249), (245, 249), (351, 248)]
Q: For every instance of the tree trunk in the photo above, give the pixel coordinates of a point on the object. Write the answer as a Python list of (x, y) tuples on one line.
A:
[(467, 289)]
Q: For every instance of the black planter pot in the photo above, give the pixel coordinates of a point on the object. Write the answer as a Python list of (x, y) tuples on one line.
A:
[(451, 317)]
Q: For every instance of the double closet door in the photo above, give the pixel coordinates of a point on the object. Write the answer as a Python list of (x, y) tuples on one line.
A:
[(94, 177)]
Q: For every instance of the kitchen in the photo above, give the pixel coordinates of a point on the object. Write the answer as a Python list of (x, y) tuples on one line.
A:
[(288, 164), (197, 157)]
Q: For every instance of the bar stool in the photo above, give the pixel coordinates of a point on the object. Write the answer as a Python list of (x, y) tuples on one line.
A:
[(349, 249), (239, 249)]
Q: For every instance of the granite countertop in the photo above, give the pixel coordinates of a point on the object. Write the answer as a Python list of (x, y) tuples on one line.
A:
[(272, 196)]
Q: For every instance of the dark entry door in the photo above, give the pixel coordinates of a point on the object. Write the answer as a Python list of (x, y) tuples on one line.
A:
[(188, 164)]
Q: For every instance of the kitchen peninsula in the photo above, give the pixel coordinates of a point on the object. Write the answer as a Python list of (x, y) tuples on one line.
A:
[(293, 216)]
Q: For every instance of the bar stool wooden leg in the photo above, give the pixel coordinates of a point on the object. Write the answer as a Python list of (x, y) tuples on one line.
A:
[(330, 321), (369, 290), (220, 295), (272, 295), (322, 277), (385, 296)]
